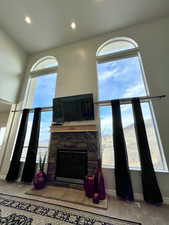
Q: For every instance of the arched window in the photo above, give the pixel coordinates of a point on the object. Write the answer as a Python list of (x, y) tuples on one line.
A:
[(121, 75), (44, 63), (116, 46), (41, 91), (42, 83)]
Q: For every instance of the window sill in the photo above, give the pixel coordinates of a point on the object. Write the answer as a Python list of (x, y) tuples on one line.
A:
[(134, 169)]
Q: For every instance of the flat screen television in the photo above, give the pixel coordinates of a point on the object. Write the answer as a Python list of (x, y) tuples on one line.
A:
[(73, 108)]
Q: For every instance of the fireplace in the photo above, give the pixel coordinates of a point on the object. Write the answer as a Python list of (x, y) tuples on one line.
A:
[(73, 153), (71, 163)]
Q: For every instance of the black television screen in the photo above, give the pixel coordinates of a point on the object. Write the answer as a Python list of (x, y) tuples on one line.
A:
[(73, 108)]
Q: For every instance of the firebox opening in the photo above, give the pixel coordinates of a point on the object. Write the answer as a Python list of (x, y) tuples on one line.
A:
[(71, 164)]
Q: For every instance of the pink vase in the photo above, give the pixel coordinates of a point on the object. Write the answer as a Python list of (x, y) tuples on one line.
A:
[(89, 186), (96, 198), (40, 180), (99, 182)]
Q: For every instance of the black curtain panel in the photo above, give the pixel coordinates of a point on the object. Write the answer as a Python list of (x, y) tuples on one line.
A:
[(122, 174), (15, 162), (30, 163), (151, 189)]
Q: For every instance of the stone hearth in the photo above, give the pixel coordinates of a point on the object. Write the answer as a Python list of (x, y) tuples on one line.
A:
[(76, 138)]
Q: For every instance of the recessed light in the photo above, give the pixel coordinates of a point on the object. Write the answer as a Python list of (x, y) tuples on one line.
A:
[(28, 20), (73, 25)]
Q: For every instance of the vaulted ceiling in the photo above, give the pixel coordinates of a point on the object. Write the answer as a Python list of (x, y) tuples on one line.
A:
[(51, 19)]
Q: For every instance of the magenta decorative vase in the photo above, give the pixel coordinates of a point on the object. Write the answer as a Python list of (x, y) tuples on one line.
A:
[(96, 198), (89, 186), (101, 187), (99, 182), (40, 180)]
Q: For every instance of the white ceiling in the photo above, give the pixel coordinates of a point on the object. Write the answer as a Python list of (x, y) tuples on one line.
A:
[(51, 19)]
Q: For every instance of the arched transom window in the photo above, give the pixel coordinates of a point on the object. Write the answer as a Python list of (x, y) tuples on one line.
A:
[(44, 63), (121, 75), (116, 46)]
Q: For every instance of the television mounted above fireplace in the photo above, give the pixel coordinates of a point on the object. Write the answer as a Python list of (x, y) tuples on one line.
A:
[(73, 108)]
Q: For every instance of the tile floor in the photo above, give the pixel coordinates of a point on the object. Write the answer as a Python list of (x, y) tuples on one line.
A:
[(138, 211)]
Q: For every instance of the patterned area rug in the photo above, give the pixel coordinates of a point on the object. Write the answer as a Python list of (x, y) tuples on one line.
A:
[(21, 211)]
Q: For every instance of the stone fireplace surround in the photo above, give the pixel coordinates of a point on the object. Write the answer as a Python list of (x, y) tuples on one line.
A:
[(77, 138)]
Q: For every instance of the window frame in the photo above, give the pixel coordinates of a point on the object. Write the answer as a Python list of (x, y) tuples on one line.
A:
[(117, 55), (44, 72), (41, 60), (122, 54), (29, 85), (35, 74)]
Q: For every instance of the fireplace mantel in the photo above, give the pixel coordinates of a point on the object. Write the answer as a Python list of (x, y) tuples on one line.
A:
[(73, 128)]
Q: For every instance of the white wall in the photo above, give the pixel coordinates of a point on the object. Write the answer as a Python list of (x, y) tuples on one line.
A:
[(12, 65), (12, 69), (77, 68), (77, 74), (3, 118)]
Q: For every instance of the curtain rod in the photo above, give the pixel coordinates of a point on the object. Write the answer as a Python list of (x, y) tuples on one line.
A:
[(106, 102), (128, 100)]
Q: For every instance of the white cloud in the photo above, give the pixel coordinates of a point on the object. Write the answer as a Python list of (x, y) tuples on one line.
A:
[(117, 71), (137, 90), (106, 75), (106, 123)]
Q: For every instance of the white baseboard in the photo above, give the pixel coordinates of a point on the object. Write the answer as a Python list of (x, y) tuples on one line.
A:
[(137, 196), (166, 200), (2, 177)]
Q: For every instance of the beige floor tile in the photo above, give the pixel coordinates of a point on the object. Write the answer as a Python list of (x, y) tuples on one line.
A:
[(68, 195), (138, 211)]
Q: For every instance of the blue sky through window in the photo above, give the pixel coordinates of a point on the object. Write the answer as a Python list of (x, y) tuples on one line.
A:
[(42, 96), (123, 79), (44, 91), (120, 79)]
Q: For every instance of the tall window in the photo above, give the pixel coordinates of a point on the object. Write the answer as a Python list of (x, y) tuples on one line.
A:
[(40, 94), (120, 75)]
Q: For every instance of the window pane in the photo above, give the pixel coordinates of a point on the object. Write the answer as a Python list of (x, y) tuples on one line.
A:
[(106, 136), (45, 63), (42, 91), (41, 94), (44, 137), (152, 138), (120, 79), (123, 79), (27, 138), (130, 136), (116, 46)]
